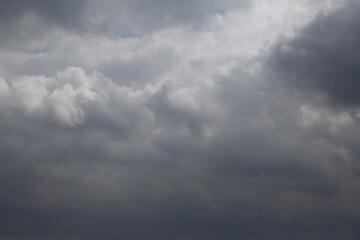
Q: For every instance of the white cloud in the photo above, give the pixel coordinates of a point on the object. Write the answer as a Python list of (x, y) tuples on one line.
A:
[(31, 91), (4, 87)]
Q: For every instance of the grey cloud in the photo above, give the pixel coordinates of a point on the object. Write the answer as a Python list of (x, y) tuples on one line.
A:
[(116, 175), (29, 20), (62, 13), (324, 56), (137, 17), (142, 70), (146, 139)]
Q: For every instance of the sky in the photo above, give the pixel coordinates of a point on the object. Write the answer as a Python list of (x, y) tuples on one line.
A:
[(179, 120)]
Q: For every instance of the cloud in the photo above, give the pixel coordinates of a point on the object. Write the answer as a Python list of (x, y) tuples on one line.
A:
[(323, 56), (137, 17), (180, 132), (62, 13), (28, 21), (63, 96)]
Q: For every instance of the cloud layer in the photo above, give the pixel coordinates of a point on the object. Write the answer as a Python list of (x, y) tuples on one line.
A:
[(168, 120)]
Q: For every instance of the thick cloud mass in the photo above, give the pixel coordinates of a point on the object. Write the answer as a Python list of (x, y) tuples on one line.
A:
[(179, 120), (325, 56)]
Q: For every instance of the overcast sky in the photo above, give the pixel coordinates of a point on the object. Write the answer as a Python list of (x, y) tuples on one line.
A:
[(179, 120)]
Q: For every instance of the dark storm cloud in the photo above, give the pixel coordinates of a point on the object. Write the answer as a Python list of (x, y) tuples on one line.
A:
[(324, 56), (156, 138)]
